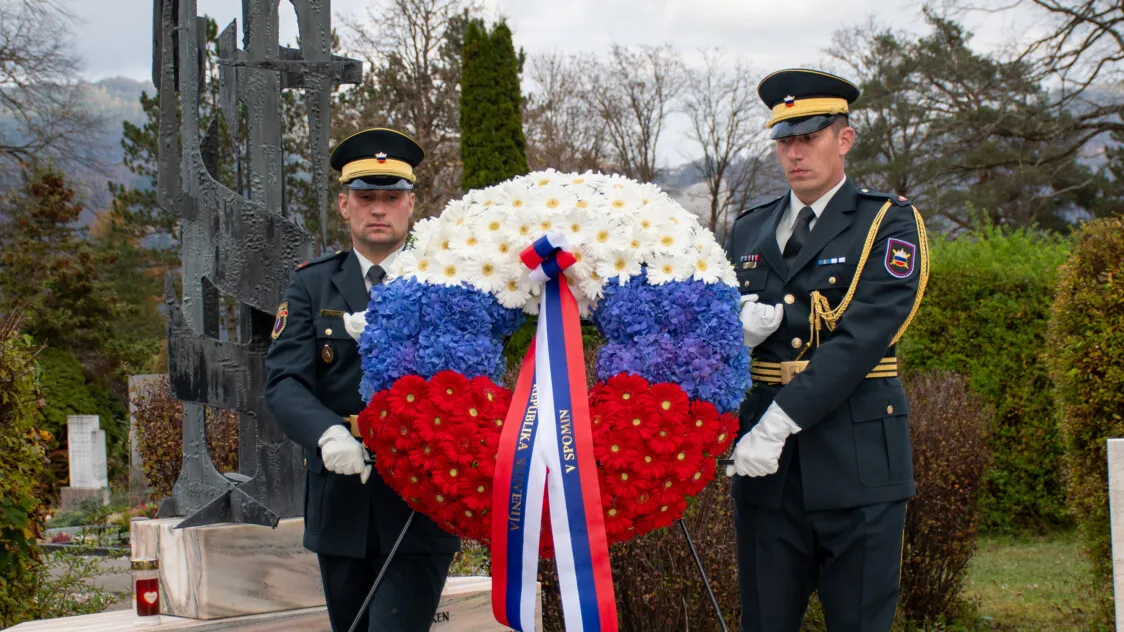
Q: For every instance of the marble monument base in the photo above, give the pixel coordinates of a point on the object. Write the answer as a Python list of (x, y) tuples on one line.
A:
[(71, 498), (241, 576), (466, 606), (229, 570)]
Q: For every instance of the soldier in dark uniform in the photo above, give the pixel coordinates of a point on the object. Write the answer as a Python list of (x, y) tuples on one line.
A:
[(830, 276), (352, 518)]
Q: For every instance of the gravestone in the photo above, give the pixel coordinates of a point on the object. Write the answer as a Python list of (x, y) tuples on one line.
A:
[(89, 477)]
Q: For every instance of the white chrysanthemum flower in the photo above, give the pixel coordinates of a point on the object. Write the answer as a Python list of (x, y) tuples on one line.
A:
[(623, 199), (463, 241), (620, 266), (581, 267), (602, 235), (588, 179), (455, 212), (403, 265), (554, 199), (543, 178), (481, 270), (669, 242), (573, 223), (663, 269), (643, 242), (514, 195), (515, 290), (448, 268), (422, 269), (502, 243), (486, 222), (520, 228), (707, 269), (651, 195), (592, 287)]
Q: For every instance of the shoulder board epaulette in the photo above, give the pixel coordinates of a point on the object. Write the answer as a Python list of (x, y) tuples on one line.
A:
[(322, 258), (759, 207), (896, 199)]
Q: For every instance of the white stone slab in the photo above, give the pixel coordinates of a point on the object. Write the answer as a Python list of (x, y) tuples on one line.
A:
[(99, 462), (1116, 517), (80, 445)]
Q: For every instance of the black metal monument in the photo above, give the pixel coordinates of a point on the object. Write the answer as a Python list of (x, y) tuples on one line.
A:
[(244, 247)]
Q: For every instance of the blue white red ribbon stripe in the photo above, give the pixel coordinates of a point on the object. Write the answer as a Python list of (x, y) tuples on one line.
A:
[(548, 441)]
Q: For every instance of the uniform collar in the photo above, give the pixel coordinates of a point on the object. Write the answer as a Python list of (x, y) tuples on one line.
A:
[(365, 263), (794, 203)]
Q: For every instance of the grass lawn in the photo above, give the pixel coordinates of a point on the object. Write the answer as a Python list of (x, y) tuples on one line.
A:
[(1030, 584)]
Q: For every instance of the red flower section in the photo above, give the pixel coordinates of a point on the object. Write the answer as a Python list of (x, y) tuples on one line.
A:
[(435, 443)]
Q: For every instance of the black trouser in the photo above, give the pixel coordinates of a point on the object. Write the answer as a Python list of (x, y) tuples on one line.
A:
[(405, 601), (852, 556)]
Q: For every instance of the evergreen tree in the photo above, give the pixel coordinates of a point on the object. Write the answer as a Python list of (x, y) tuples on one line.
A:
[(49, 269), (966, 135), (492, 143)]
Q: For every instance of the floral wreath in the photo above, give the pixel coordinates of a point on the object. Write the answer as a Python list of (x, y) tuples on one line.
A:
[(671, 371)]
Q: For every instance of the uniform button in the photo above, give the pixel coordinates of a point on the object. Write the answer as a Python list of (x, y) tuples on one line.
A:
[(746, 284), (889, 410), (327, 332), (789, 299), (831, 280), (305, 462), (796, 342)]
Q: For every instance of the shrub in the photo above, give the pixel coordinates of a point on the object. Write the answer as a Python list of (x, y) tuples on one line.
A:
[(32, 586), (985, 317), (68, 390), (656, 581), (23, 457), (947, 424), (159, 425), (1086, 351)]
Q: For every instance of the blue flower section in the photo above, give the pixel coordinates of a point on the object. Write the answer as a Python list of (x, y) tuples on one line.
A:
[(687, 333), (421, 329)]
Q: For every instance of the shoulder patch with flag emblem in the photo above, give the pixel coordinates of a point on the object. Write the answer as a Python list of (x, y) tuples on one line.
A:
[(899, 258), (282, 320)]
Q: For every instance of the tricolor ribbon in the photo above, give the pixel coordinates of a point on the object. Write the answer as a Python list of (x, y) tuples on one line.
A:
[(547, 445)]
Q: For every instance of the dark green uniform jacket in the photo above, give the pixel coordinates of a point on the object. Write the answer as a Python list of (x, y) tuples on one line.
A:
[(313, 382), (854, 444)]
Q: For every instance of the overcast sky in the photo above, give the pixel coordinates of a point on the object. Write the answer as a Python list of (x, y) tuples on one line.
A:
[(114, 37)]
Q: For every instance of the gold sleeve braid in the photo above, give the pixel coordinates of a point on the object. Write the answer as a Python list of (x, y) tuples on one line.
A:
[(822, 314)]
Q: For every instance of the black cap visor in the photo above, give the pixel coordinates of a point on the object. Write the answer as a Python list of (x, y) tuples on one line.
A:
[(380, 183), (801, 126)]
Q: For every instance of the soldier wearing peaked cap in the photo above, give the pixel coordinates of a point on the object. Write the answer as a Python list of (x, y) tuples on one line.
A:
[(830, 275), (352, 518)]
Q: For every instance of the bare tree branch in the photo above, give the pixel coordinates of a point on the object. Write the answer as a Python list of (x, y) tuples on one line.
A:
[(39, 89), (727, 124)]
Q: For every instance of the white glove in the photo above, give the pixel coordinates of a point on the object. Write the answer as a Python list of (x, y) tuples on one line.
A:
[(758, 321), (355, 323), (759, 451), (343, 454)]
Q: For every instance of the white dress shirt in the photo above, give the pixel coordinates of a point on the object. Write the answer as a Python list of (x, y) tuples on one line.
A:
[(365, 264), (355, 323), (788, 222)]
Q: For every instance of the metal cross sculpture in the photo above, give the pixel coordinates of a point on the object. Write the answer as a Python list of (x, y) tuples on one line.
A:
[(244, 247)]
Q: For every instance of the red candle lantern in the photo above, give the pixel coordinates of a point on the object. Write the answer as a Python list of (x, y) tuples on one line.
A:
[(146, 593)]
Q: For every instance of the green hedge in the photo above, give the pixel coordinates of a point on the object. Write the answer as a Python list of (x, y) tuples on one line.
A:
[(1086, 350), (985, 316), (23, 457), (69, 391)]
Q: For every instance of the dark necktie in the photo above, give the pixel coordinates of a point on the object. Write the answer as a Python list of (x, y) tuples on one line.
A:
[(375, 275), (800, 233)]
